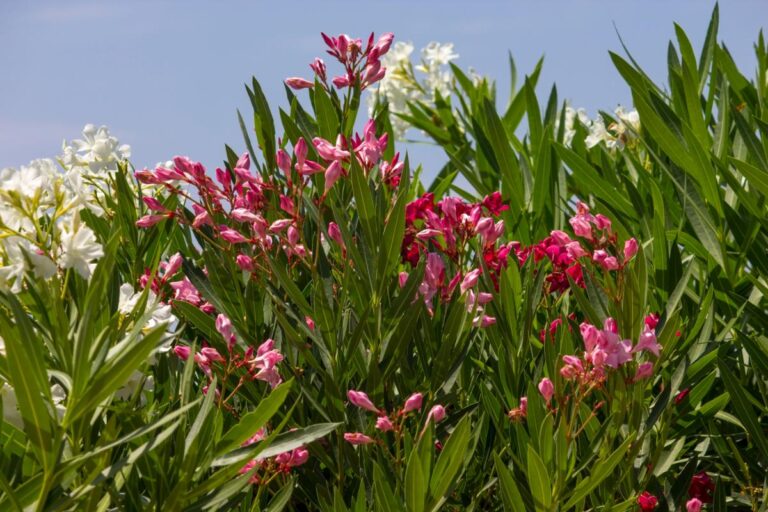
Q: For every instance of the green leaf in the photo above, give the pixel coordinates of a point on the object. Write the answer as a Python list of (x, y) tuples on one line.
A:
[(415, 483), (254, 420), (27, 370), (539, 482), (601, 470), (741, 403), (450, 461), (510, 495)]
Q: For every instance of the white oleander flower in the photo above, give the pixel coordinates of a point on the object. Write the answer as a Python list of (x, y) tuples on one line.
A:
[(11, 414), (401, 85), (97, 151), (569, 125), (79, 248), (161, 313), (18, 256)]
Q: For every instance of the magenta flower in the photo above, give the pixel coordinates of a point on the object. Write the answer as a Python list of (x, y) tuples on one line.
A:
[(334, 233), (693, 505), (630, 249), (231, 236), (332, 174), (360, 399), (470, 280), (148, 221)]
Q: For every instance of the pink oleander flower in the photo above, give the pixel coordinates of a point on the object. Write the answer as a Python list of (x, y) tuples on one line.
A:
[(602, 222), (260, 435), (186, 291), (328, 151), (402, 278), (298, 83), (436, 413), (384, 424), (547, 389), (652, 320), (280, 225), (413, 403), (647, 342), (693, 505), (644, 370), (357, 438), (470, 280), (647, 501), (310, 322), (360, 399), (293, 458), (224, 327), (318, 66)]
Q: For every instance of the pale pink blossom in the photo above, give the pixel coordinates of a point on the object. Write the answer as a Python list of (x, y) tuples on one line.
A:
[(693, 505), (644, 370)]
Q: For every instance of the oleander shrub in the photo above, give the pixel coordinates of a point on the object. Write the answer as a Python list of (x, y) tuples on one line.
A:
[(571, 315)]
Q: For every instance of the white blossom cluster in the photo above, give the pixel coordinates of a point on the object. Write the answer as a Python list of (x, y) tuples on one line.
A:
[(401, 84), (614, 136), (41, 229)]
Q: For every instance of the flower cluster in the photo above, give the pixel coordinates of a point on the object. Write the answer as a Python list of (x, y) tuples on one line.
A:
[(448, 230), (604, 349), (264, 470), (618, 134), (362, 65), (401, 84), (567, 255), (393, 422)]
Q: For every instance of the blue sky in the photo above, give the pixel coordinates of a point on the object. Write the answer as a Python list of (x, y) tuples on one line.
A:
[(166, 77)]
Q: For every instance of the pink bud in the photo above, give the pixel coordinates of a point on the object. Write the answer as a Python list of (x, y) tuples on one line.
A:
[(283, 162), (644, 371), (148, 221), (340, 81), (602, 222), (693, 505), (413, 403), (298, 83), (384, 42), (402, 278), (293, 235), (174, 264), (630, 249), (436, 413), (211, 354), (232, 236), (153, 204), (357, 438), (334, 233), (181, 351), (360, 399), (310, 323), (547, 389), (243, 215), (384, 424), (332, 174), (280, 225), (244, 262), (318, 66), (470, 280)]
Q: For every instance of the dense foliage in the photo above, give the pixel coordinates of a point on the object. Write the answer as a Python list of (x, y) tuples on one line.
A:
[(571, 316)]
